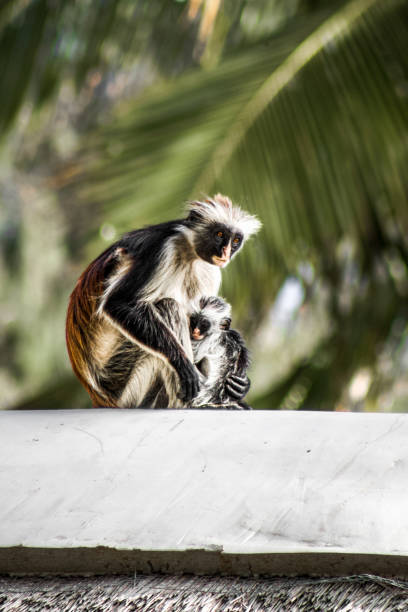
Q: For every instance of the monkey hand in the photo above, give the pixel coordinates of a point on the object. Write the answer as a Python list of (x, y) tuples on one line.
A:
[(237, 386), (189, 381)]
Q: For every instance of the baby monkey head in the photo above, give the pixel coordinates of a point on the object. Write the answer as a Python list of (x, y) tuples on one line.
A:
[(213, 316), (219, 228)]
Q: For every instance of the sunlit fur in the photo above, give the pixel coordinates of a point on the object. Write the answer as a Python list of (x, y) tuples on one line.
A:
[(127, 346), (180, 274), (84, 335), (219, 354), (220, 209)]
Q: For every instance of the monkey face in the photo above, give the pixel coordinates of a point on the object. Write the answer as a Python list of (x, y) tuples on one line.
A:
[(217, 243), (200, 326)]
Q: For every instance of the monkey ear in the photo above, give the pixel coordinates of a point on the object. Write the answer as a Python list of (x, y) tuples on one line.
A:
[(225, 323)]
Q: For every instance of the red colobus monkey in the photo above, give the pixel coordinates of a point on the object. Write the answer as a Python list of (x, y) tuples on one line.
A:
[(220, 355), (127, 326)]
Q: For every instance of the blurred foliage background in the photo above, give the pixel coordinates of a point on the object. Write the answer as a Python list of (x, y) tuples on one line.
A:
[(115, 112)]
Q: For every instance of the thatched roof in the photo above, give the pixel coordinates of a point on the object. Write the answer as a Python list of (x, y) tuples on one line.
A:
[(202, 594)]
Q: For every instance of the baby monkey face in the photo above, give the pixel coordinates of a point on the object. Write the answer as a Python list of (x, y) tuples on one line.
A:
[(200, 326)]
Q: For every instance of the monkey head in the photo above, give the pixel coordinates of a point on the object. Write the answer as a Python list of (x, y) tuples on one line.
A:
[(200, 326), (213, 316), (219, 229)]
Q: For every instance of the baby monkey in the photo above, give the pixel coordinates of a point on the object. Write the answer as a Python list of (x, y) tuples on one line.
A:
[(220, 355)]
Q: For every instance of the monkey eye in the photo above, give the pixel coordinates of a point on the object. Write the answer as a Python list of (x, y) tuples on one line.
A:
[(220, 234), (236, 240)]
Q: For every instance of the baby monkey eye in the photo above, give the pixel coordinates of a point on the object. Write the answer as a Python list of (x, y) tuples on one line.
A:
[(220, 234)]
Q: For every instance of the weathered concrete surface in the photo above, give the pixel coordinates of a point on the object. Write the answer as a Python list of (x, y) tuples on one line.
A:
[(203, 491)]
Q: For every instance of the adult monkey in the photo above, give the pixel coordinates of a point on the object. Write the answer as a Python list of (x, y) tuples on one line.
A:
[(127, 326)]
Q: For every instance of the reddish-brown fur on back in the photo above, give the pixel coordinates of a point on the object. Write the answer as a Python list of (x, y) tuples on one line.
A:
[(82, 306)]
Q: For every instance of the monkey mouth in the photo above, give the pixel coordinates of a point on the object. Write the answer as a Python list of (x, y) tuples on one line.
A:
[(220, 261), (196, 335)]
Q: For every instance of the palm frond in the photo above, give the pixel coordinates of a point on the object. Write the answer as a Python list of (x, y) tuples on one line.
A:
[(307, 129)]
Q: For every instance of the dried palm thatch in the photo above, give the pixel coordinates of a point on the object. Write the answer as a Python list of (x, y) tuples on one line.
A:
[(206, 594)]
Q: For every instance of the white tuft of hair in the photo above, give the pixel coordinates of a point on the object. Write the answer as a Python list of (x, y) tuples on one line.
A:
[(214, 308), (220, 209)]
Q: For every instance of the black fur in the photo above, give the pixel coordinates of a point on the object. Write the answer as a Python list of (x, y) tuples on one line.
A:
[(118, 369), (209, 243), (156, 395), (200, 322), (232, 383), (142, 322), (145, 247), (127, 321)]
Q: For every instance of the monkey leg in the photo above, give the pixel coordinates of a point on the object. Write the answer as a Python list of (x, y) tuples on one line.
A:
[(164, 385), (153, 382), (132, 377)]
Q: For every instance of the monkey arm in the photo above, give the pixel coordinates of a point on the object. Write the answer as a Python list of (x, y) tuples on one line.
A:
[(142, 323), (237, 387), (237, 383)]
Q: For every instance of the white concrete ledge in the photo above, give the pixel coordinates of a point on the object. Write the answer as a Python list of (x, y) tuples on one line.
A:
[(277, 493)]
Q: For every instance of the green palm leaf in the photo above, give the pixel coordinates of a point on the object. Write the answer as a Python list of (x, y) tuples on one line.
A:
[(308, 129), (305, 129)]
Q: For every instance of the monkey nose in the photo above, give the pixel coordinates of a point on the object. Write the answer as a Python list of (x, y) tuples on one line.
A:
[(227, 251)]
